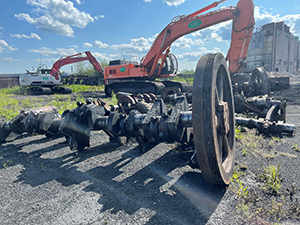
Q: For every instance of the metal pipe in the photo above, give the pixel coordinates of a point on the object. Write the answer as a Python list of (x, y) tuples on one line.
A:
[(186, 119), (266, 126)]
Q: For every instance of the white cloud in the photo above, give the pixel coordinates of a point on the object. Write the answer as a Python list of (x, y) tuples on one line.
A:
[(293, 21), (98, 17), (11, 59), (170, 2), (184, 42), (50, 60), (1, 29), (115, 56), (189, 60), (59, 51), (58, 16), (136, 46), (219, 32), (192, 56), (79, 2), (87, 45), (6, 47), (173, 2), (102, 56), (32, 35), (99, 44), (7, 59), (263, 16)]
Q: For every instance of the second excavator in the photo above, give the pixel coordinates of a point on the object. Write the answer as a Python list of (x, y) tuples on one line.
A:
[(48, 81)]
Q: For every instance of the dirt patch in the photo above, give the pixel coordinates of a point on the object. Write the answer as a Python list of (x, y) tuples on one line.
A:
[(43, 182)]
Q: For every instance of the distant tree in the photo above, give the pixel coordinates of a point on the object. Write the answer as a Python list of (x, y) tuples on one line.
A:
[(87, 69), (104, 63), (80, 68), (186, 71)]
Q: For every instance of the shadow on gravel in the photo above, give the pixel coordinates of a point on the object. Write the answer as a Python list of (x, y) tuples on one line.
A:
[(159, 182)]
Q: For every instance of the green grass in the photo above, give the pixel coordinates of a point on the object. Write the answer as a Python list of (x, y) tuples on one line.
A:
[(250, 143), (17, 90), (7, 164), (295, 147), (10, 107), (184, 79), (236, 183), (271, 178), (62, 103), (274, 139), (237, 186), (82, 88), (189, 80)]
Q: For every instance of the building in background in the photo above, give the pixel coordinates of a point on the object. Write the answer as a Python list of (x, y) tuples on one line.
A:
[(275, 48)]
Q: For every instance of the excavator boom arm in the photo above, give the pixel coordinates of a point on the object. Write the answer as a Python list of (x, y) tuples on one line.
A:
[(243, 22), (74, 59)]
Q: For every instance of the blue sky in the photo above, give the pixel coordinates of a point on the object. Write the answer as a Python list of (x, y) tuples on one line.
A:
[(45, 30)]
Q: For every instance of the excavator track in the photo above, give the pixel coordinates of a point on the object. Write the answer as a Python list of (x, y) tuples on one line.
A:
[(48, 90), (135, 87), (39, 91)]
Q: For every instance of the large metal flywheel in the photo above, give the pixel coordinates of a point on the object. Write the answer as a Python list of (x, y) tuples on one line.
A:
[(213, 119)]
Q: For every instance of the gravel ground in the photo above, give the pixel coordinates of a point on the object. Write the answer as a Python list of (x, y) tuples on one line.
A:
[(43, 182)]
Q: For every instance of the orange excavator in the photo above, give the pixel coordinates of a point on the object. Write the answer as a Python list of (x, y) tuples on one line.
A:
[(134, 77), (48, 81)]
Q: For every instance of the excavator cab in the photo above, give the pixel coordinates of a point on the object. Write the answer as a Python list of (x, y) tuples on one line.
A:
[(45, 71), (170, 65)]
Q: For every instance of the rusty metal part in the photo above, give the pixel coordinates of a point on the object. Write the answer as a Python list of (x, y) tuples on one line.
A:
[(254, 84), (42, 120), (171, 91), (140, 102), (213, 119), (273, 121), (170, 97), (263, 106), (266, 126), (261, 81), (107, 108)]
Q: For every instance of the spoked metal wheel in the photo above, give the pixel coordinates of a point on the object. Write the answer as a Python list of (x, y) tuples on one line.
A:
[(213, 119), (260, 78)]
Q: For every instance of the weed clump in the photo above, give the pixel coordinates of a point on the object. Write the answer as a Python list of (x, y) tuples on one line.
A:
[(271, 178)]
